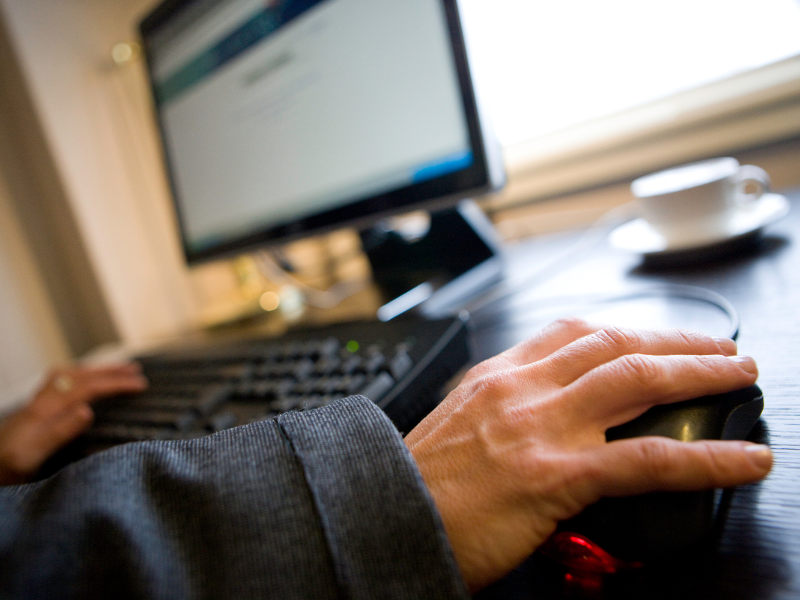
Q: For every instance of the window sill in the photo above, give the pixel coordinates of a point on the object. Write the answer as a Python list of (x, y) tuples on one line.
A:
[(749, 110)]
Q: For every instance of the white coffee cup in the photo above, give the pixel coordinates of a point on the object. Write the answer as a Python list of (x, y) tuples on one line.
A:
[(698, 201)]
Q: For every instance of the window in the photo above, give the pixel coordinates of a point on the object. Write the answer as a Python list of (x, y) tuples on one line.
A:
[(579, 80)]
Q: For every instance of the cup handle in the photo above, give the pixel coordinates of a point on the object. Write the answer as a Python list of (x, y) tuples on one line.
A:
[(755, 176)]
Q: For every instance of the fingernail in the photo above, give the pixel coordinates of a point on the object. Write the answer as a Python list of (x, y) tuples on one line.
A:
[(760, 454), (746, 363), (727, 345)]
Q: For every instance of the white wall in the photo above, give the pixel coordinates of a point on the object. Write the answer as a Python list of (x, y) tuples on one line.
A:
[(96, 123), (30, 336)]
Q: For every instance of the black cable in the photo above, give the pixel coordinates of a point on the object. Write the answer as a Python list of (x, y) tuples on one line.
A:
[(318, 269), (663, 290), (574, 254), (280, 258)]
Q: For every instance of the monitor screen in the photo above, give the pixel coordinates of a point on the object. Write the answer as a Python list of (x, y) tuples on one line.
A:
[(281, 118)]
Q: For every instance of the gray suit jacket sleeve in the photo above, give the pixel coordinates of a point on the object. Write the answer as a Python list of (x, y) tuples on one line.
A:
[(320, 504)]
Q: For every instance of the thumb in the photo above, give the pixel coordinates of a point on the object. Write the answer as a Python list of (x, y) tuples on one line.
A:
[(61, 429), (46, 437)]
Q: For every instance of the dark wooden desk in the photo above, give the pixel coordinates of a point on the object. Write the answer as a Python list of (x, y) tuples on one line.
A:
[(757, 555)]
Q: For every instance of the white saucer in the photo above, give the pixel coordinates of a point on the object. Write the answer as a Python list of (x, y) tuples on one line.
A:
[(638, 236)]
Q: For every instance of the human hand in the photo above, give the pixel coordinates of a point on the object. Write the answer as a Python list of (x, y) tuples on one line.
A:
[(520, 444), (58, 413)]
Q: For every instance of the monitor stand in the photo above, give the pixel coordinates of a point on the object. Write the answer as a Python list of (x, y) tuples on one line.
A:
[(434, 271)]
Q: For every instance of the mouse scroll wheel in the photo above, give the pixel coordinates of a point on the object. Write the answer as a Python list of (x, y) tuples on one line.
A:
[(579, 553)]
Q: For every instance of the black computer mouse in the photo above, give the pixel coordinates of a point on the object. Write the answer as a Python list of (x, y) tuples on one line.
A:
[(642, 528)]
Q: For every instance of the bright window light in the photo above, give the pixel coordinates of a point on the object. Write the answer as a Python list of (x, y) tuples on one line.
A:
[(545, 66)]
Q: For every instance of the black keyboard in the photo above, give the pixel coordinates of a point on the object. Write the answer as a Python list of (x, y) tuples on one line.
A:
[(400, 365)]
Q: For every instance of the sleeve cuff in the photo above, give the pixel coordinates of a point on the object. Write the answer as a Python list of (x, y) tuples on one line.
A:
[(385, 535)]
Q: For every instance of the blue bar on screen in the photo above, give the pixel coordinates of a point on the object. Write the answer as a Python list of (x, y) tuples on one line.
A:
[(442, 166)]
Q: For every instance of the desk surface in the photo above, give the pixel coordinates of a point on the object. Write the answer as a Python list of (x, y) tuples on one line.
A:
[(758, 554)]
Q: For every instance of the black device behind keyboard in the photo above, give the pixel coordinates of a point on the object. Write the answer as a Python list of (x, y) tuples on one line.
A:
[(400, 365)]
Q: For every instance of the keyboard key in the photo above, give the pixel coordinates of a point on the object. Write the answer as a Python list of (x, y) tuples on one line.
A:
[(180, 421), (212, 398), (400, 364), (378, 387), (327, 365), (352, 384), (121, 434), (351, 365), (375, 360), (286, 403), (220, 421)]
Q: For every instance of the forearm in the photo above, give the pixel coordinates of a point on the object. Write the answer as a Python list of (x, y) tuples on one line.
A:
[(322, 504)]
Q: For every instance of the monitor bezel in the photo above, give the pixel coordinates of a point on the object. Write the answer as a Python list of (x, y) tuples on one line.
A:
[(433, 194)]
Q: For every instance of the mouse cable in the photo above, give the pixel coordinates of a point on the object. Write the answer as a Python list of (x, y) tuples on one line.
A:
[(594, 234), (659, 290)]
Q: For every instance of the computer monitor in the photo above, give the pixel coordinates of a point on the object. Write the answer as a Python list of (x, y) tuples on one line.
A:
[(287, 118)]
